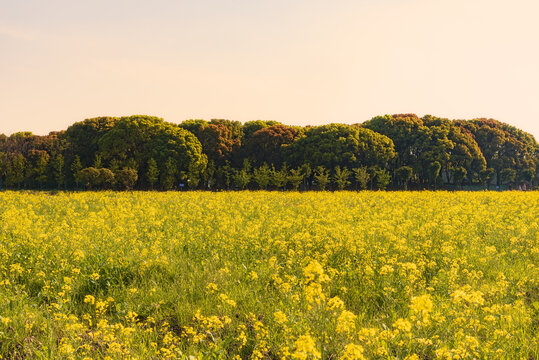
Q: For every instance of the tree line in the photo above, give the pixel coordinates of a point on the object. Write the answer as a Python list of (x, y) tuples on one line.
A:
[(399, 151)]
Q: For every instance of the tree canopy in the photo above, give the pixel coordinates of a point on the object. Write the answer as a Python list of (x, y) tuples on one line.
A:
[(391, 151)]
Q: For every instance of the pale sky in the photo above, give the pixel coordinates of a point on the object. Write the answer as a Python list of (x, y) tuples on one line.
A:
[(296, 61)]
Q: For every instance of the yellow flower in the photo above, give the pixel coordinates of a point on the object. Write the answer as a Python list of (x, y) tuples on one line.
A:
[(211, 287), (346, 322), (313, 293), (226, 300), (253, 275), (314, 271), (304, 347), (353, 352), (95, 276), (468, 296), (421, 304), (16, 268), (412, 357), (335, 303), (386, 269), (131, 316), (280, 317), (403, 325)]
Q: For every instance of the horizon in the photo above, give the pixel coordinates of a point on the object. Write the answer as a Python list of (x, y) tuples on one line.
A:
[(298, 62)]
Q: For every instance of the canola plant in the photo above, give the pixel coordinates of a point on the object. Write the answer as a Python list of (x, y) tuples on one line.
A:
[(269, 275)]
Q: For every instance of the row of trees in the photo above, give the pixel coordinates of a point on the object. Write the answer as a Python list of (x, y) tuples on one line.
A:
[(395, 151)]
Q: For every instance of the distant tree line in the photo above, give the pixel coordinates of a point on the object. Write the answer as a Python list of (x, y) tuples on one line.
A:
[(400, 151)]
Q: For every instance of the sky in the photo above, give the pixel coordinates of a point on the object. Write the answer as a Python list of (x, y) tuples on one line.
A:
[(300, 62)]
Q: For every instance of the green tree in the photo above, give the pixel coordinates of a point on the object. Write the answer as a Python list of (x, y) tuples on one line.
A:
[(261, 176), (89, 177), (266, 145), (193, 126), (508, 176), (57, 165), (75, 168), (82, 138), (321, 177), (339, 144), (133, 140), (503, 146), (105, 179), (16, 171), (209, 175), (38, 161), (221, 139), (407, 132), (127, 178), (250, 127), (486, 176), (114, 165), (241, 178), (459, 174), (295, 178), (279, 177), (362, 177), (404, 174), (168, 175), (224, 175), (306, 171), (381, 178), (433, 172), (195, 173), (152, 173), (4, 166), (526, 175), (341, 177), (98, 163)]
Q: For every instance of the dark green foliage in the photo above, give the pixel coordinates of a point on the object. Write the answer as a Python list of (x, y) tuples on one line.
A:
[(486, 175), (83, 137), (89, 177), (459, 174), (76, 166), (168, 175), (433, 172), (152, 173), (241, 178), (106, 178), (321, 177), (267, 144), (361, 177), (339, 144), (404, 174), (36, 170), (261, 176), (341, 177), (295, 177), (15, 172), (390, 151), (279, 177), (126, 178), (58, 171), (381, 178), (508, 176)]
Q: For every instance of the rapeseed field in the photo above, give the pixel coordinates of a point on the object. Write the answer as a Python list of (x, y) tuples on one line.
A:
[(269, 275)]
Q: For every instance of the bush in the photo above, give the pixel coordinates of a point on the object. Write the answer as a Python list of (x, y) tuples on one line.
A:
[(126, 178)]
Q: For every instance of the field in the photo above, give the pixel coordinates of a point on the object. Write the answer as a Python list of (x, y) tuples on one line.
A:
[(370, 275)]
